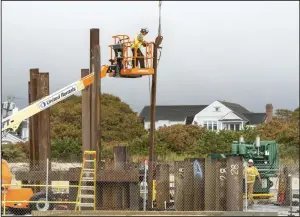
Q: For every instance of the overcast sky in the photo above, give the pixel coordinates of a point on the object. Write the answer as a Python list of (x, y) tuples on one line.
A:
[(242, 52)]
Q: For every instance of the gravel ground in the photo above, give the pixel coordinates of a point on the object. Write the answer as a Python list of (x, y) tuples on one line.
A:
[(282, 211)]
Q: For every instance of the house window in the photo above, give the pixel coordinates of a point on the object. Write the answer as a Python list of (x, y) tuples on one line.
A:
[(215, 127), (234, 127), (231, 126), (217, 109), (210, 125)]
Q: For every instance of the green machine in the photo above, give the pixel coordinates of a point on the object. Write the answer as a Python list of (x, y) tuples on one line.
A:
[(265, 155)]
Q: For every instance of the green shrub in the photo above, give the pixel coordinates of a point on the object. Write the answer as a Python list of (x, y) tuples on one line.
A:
[(66, 149), (13, 153)]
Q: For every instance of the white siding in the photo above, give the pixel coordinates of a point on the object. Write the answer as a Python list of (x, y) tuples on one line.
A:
[(210, 113), (162, 123)]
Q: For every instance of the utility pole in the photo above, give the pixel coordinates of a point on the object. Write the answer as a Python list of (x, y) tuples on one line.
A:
[(152, 159), (152, 129)]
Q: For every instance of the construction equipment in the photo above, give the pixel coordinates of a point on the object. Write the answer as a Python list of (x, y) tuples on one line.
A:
[(87, 183), (121, 60), (265, 155), (119, 67), (25, 195)]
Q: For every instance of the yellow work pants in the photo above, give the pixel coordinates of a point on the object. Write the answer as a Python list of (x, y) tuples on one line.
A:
[(250, 187)]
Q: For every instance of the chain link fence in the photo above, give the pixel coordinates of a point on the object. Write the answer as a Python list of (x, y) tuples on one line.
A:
[(195, 184)]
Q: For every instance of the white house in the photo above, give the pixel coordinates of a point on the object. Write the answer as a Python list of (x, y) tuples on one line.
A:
[(168, 115), (22, 133), (217, 116)]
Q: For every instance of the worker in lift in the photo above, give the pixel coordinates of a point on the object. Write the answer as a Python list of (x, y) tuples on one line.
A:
[(251, 172), (136, 45)]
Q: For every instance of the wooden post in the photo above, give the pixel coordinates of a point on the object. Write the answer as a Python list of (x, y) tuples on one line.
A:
[(33, 121), (188, 183), (152, 128), (120, 158), (134, 192), (43, 122), (287, 195), (85, 115), (163, 185), (234, 184), (33, 124), (221, 185), (95, 68), (210, 185), (107, 195), (199, 179), (179, 176), (31, 140)]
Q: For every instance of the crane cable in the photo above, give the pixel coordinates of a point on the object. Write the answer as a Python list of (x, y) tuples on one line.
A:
[(159, 34), (159, 30)]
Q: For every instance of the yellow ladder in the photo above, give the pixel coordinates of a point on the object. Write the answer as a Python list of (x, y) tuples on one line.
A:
[(88, 175)]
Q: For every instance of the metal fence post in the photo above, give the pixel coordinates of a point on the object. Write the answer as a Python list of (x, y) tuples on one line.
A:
[(246, 194), (291, 194), (144, 186), (4, 201), (47, 178)]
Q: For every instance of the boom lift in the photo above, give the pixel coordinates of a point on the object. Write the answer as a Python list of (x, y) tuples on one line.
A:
[(120, 67), (120, 59)]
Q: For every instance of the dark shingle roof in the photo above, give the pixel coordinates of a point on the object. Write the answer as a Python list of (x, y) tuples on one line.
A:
[(236, 108), (255, 118), (252, 118), (188, 112), (189, 120), (172, 112)]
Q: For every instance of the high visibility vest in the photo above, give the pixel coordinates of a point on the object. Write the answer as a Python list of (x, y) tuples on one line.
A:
[(136, 43), (252, 172)]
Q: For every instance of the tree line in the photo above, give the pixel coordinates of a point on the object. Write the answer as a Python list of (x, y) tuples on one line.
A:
[(122, 126)]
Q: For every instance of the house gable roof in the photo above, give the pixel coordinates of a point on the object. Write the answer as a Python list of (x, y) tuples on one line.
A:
[(235, 115), (172, 112), (245, 114), (236, 108)]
